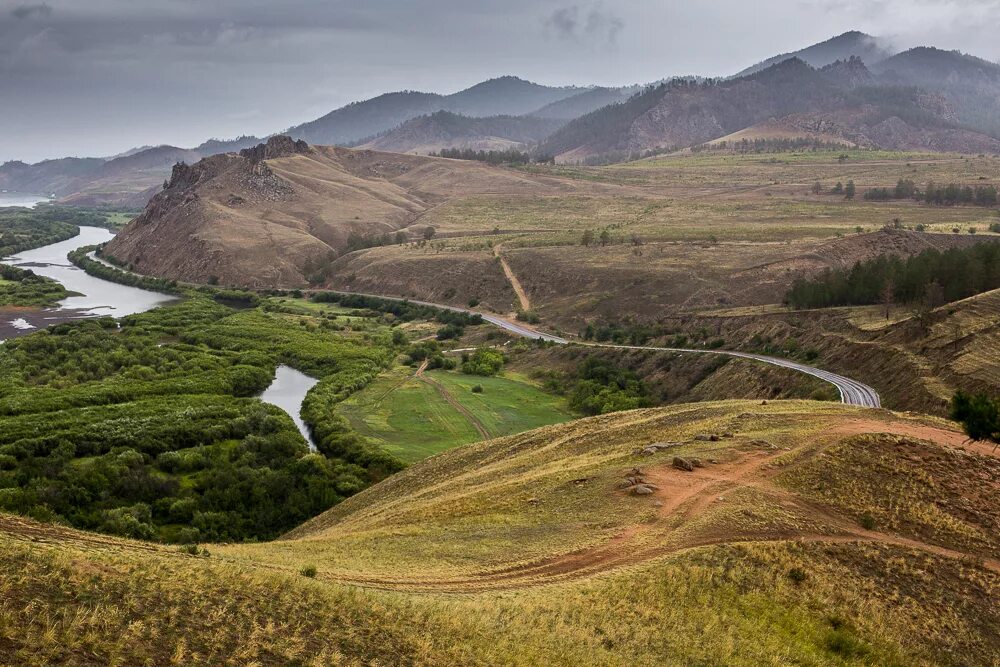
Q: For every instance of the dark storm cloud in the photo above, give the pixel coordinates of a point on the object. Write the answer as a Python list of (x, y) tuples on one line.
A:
[(594, 24), (99, 76), (27, 11)]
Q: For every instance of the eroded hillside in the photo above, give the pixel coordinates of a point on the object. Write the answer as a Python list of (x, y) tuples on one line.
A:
[(269, 215)]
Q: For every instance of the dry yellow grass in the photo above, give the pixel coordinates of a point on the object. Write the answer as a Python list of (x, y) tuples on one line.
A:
[(526, 550)]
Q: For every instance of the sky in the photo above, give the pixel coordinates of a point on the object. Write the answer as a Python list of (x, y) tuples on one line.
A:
[(97, 77)]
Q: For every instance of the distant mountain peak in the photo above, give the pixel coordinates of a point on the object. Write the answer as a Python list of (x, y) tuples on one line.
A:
[(842, 47)]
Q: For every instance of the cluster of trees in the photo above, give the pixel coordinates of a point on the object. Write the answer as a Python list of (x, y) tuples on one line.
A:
[(848, 191), (939, 195), (509, 156), (403, 310), (905, 189), (933, 276), (621, 333), (484, 361), (952, 194), (602, 387), (430, 351)]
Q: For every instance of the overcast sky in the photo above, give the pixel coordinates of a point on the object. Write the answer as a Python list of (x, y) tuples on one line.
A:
[(96, 77)]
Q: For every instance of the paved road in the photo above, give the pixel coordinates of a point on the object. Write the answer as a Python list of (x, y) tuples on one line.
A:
[(851, 391)]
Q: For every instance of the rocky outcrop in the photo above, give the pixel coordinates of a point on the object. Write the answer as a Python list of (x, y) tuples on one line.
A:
[(275, 147), (285, 213)]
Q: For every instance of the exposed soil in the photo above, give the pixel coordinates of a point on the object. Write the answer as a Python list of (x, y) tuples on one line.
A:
[(522, 296), (941, 436)]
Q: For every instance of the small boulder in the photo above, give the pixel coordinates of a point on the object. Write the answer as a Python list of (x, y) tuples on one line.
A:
[(641, 490), (697, 463), (683, 464), (703, 437)]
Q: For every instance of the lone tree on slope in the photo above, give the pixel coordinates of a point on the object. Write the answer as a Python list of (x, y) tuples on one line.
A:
[(979, 416)]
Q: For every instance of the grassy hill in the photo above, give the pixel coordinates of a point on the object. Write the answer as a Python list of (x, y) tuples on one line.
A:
[(783, 547)]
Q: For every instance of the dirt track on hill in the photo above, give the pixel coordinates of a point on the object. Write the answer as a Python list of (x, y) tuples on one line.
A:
[(685, 501), (522, 296)]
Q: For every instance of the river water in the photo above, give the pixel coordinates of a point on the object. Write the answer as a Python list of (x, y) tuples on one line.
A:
[(21, 199), (98, 297), (287, 392)]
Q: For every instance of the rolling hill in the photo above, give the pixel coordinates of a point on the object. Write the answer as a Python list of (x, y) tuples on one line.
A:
[(842, 100), (507, 95), (805, 533), (443, 129), (260, 218)]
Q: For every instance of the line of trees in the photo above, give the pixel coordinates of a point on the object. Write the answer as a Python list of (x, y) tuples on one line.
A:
[(94, 268), (939, 195), (509, 156), (932, 275), (774, 145)]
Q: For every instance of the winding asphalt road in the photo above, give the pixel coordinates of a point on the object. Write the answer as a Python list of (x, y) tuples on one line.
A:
[(851, 391)]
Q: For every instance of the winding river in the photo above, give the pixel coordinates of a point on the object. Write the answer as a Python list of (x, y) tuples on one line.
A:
[(97, 297)]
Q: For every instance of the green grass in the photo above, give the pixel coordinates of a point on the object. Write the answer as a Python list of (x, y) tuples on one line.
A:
[(508, 404), (410, 419)]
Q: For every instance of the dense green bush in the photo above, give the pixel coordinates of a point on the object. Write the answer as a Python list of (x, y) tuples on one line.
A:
[(484, 361), (603, 387)]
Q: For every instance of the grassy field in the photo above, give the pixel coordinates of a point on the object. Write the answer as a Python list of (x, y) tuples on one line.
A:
[(412, 419), (782, 549), (679, 233)]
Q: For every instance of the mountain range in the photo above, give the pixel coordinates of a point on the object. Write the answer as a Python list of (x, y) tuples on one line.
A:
[(852, 89)]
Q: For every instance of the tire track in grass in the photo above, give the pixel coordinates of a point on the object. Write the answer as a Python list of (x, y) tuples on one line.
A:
[(453, 402)]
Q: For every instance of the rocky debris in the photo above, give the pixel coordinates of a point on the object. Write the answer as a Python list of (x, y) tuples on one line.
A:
[(235, 200), (263, 185), (635, 482), (696, 463), (728, 435), (655, 447), (683, 464), (711, 437), (533, 501), (714, 462)]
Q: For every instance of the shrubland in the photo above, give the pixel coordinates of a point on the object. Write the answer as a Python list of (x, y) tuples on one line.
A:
[(148, 427)]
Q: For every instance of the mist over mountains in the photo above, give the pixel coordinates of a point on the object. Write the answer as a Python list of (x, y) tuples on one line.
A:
[(853, 88)]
